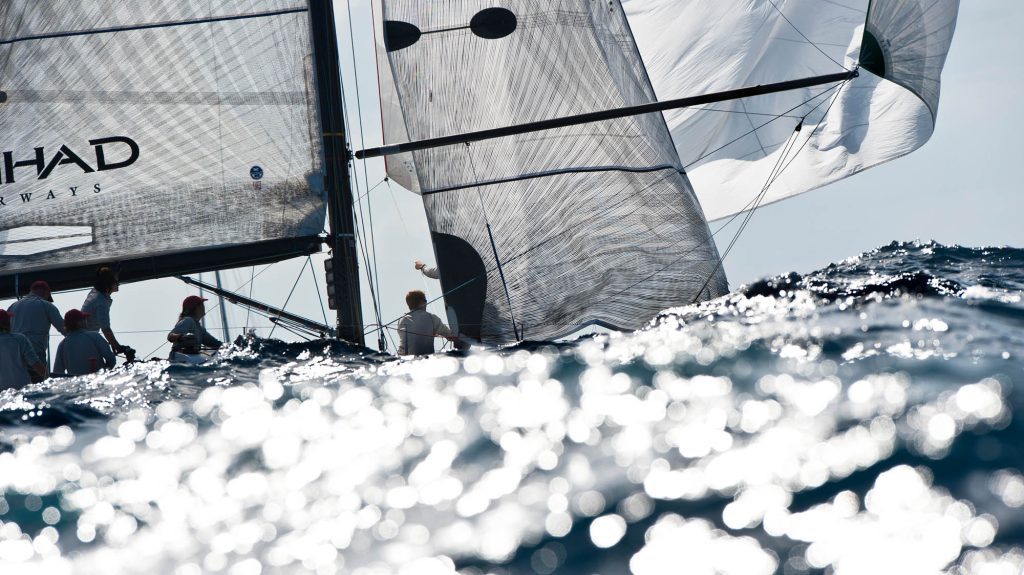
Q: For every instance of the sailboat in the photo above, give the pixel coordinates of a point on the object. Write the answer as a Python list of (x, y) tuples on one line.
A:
[(569, 153)]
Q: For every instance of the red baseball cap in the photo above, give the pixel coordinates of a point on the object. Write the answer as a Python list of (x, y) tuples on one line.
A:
[(42, 286), (191, 302), (74, 317), (5, 318)]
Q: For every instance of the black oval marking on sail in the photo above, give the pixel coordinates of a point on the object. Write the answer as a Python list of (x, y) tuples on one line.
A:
[(872, 57), (400, 35), (463, 280), (3, 97), (493, 23)]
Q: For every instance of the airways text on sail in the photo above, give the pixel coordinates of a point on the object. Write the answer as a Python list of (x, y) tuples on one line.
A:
[(26, 197)]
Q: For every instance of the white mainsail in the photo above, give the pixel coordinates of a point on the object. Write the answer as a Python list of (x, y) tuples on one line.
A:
[(539, 234), (803, 139), (166, 128)]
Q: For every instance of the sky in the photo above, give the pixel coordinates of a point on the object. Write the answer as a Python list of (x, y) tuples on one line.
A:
[(960, 188)]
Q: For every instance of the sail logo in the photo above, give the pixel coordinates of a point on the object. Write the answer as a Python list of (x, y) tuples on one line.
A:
[(109, 153)]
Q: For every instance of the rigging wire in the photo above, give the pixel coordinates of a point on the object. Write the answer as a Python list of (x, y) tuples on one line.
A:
[(319, 296), (366, 176), (360, 230), (754, 130), (777, 171), (818, 48), (217, 306), (294, 285), (405, 229), (362, 133), (377, 185)]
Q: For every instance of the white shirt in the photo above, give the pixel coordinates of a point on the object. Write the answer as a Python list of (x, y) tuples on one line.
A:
[(416, 331), (97, 305)]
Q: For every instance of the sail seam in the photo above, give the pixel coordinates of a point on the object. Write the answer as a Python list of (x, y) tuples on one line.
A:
[(533, 176), (155, 25)]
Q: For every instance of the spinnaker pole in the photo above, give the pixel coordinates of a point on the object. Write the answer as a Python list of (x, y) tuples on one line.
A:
[(603, 115), (343, 266)]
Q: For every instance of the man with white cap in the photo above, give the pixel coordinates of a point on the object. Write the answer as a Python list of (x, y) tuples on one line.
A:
[(189, 336), (33, 316), (82, 351), (16, 357)]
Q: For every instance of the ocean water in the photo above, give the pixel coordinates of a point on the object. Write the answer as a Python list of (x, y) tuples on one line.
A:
[(859, 419)]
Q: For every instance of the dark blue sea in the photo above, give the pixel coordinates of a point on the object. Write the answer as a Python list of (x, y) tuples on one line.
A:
[(863, 418)]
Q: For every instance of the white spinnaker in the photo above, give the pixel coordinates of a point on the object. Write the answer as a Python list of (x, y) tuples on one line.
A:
[(732, 149)]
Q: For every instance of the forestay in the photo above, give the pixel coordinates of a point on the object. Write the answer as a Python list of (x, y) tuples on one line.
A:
[(157, 133), (800, 140), (537, 235)]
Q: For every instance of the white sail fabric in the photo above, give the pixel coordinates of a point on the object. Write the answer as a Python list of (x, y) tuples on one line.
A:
[(158, 126), (802, 139), (539, 234)]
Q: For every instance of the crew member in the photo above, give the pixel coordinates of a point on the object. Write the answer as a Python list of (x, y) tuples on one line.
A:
[(97, 306), (417, 329), (16, 357), (188, 336), (82, 351), (33, 316)]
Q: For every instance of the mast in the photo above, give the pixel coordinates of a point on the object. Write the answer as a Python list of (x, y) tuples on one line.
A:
[(343, 266)]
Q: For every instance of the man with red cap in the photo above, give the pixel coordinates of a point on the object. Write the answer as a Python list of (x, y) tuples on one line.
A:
[(33, 316), (189, 336), (16, 357), (82, 351)]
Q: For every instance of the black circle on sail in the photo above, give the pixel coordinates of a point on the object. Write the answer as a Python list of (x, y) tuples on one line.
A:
[(400, 35), (493, 23), (873, 55)]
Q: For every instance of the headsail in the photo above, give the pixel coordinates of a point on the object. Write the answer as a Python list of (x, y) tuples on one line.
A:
[(537, 235), (803, 139), (179, 136)]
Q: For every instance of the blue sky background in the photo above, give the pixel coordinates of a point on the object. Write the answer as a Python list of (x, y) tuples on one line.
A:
[(960, 188)]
